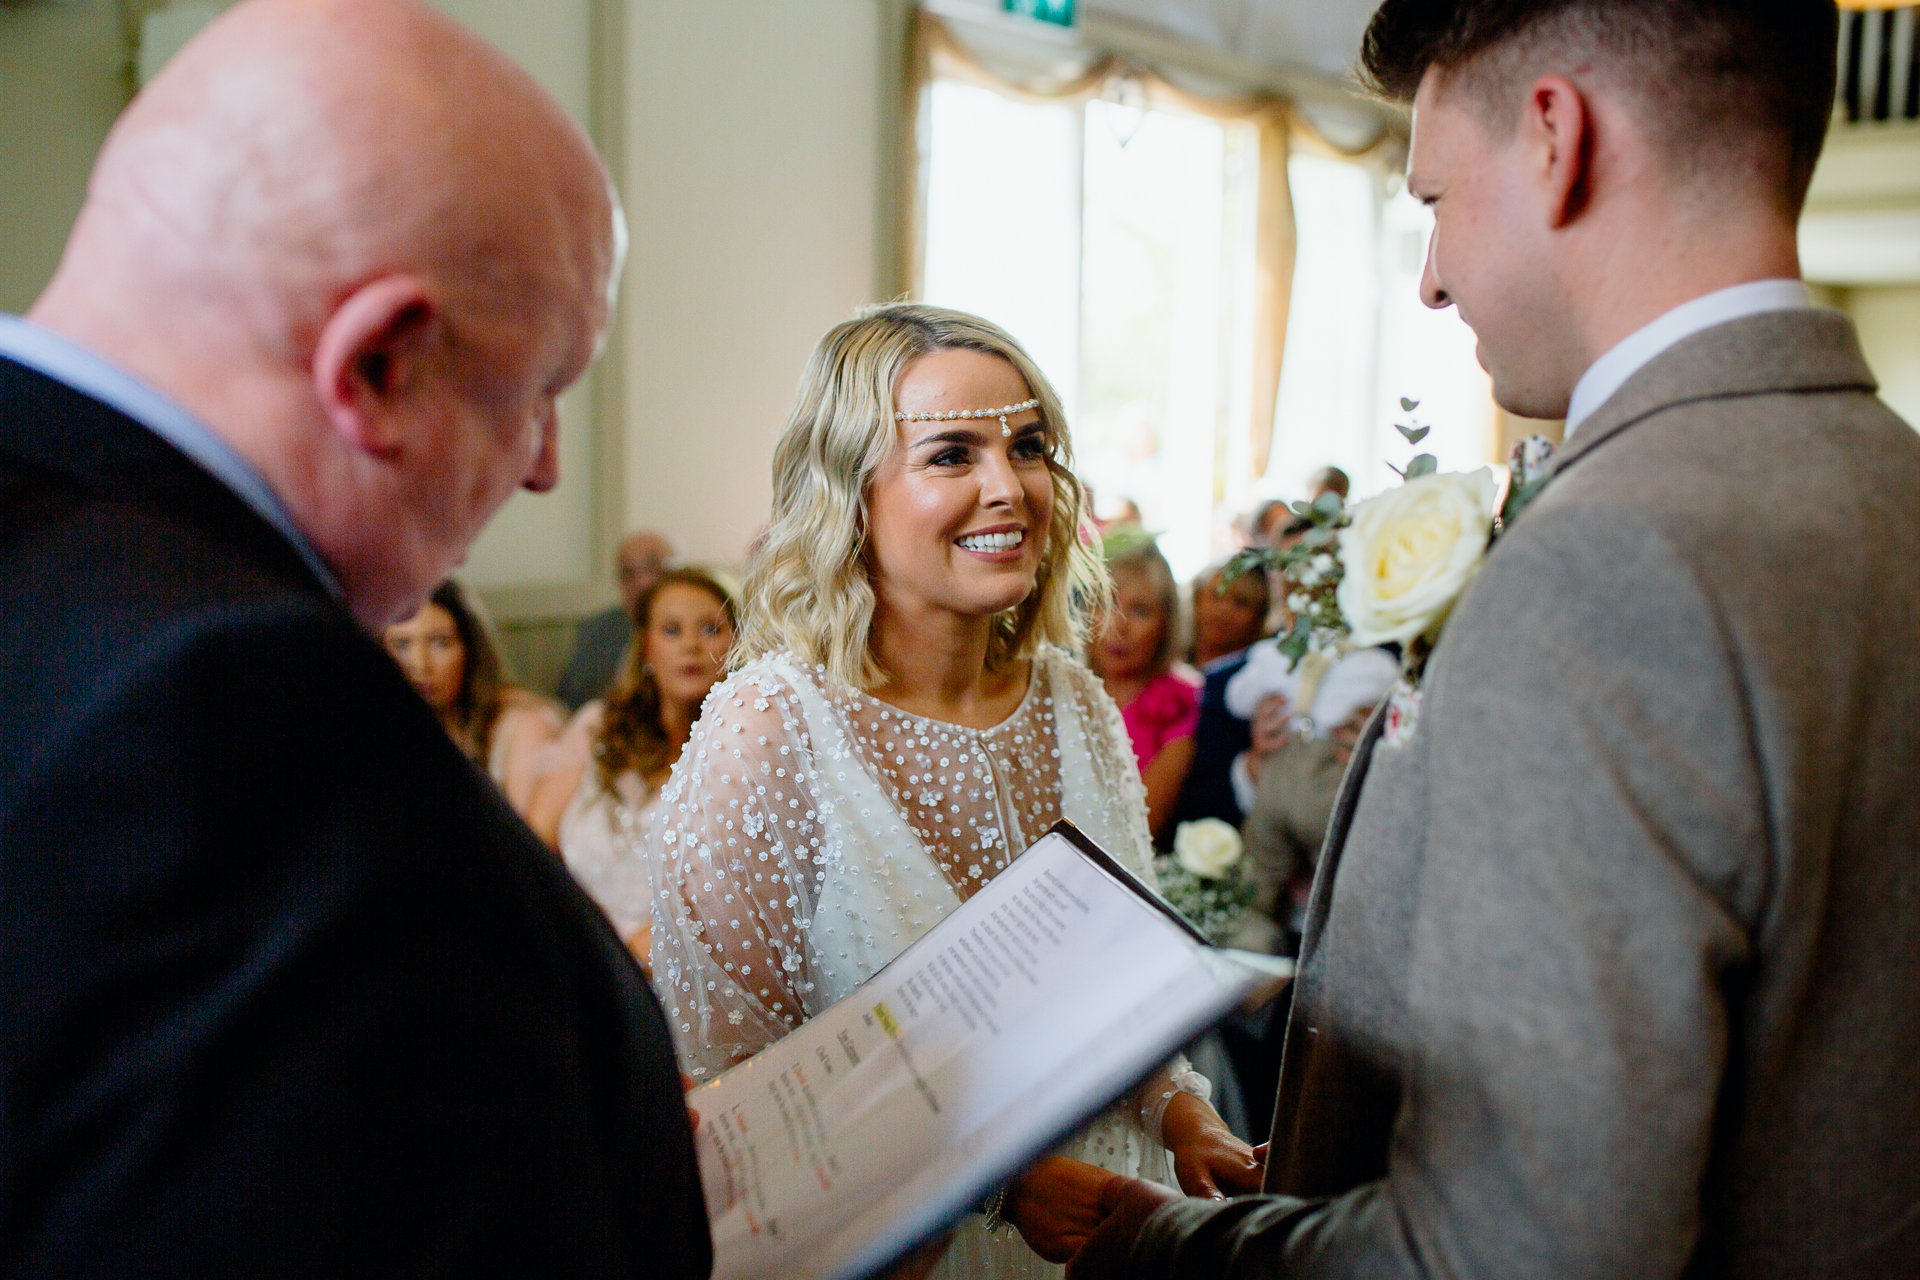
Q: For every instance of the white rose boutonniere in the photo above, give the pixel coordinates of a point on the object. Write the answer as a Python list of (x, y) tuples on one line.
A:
[(1410, 552), (1207, 847), (1389, 570)]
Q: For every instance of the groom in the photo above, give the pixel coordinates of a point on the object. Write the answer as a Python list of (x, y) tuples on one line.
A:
[(285, 987), (1613, 966)]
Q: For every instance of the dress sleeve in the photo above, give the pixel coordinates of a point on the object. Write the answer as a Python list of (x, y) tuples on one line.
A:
[(733, 852), (1111, 803)]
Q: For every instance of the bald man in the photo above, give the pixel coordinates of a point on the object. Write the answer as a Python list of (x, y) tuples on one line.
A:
[(284, 987)]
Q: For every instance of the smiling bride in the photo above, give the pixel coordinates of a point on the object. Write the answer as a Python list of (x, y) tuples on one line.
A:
[(904, 717)]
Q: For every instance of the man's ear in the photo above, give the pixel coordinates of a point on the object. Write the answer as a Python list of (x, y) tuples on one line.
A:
[(373, 352), (1558, 128)]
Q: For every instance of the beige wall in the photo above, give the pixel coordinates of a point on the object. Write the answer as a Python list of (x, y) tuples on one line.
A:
[(752, 163), (63, 79), (1889, 322), (551, 544)]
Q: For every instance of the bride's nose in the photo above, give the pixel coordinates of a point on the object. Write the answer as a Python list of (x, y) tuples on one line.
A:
[(999, 483)]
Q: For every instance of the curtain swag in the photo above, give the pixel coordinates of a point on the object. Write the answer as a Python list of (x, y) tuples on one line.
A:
[(937, 54)]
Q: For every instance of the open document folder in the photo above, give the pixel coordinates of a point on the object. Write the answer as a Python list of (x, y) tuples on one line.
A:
[(1048, 994)]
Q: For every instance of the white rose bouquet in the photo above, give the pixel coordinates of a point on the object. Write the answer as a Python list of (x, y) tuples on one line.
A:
[(1203, 877), (1390, 569)]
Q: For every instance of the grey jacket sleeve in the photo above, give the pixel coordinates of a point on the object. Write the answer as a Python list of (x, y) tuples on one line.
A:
[(1592, 851)]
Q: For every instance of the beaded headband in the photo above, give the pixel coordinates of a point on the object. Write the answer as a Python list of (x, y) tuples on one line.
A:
[(951, 414)]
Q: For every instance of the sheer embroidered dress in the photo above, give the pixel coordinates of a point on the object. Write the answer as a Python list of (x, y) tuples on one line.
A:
[(810, 832)]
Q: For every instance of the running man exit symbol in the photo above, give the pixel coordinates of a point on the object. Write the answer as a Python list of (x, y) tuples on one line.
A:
[(1057, 12)]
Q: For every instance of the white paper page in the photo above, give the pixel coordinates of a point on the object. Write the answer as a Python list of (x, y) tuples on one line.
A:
[(1047, 994)]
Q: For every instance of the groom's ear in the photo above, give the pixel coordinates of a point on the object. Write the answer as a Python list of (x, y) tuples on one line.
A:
[(1556, 127)]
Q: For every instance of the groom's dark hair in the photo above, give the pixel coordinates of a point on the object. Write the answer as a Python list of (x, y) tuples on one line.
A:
[(1713, 77)]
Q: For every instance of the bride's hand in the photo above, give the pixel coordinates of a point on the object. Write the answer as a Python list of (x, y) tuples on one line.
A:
[(1056, 1205), (1209, 1161)]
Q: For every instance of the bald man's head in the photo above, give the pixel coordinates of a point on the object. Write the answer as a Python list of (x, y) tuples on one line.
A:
[(642, 558), (369, 251)]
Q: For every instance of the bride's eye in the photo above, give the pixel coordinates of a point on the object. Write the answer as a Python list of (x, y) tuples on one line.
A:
[(951, 456), (1030, 448)]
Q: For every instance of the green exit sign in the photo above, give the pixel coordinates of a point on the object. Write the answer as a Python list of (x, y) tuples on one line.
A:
[(1058, 12)]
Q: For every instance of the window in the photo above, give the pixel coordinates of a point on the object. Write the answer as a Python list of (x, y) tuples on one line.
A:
[(1359, 339)]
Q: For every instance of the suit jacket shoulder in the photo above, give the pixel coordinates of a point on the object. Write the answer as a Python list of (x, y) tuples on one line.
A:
[(287, 988)]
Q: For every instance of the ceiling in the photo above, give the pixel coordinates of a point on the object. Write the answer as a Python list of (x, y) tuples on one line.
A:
[(1322, 34)]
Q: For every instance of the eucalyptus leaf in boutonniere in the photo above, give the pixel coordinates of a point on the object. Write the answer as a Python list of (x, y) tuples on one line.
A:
[(1390, 569)]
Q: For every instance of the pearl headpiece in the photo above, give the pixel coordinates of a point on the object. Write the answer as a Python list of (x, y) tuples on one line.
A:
[(952, 414)]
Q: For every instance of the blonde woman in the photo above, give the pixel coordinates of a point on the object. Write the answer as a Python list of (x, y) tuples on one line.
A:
[(905, 717), (1133, 655)]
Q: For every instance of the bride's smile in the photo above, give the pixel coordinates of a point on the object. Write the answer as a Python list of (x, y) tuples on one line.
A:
[(960, 511)]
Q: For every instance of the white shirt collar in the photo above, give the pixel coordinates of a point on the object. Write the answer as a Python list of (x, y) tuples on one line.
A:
[(1638, 349), (47, 352)]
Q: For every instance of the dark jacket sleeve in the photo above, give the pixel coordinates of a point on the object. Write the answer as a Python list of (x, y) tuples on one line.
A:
[(299, 996)]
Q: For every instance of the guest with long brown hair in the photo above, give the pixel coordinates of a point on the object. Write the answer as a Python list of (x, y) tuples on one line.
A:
[(448, 652), (597, 798)]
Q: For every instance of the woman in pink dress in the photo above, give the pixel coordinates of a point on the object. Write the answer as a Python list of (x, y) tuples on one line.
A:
[(1133, 656)]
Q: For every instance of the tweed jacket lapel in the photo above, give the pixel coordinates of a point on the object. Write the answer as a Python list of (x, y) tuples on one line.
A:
[(1298, 1045), (1338, 825)]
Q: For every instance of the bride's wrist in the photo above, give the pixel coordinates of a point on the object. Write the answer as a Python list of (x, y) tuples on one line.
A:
[(1186, 1119), (1163, 1092)]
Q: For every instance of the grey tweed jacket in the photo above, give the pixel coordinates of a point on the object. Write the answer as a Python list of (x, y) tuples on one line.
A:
[(1613, 969)]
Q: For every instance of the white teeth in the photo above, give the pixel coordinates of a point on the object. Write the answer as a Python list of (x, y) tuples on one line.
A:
[(994, 541)]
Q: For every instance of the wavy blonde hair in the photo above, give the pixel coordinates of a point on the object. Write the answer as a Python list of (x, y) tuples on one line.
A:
[(807, 587)]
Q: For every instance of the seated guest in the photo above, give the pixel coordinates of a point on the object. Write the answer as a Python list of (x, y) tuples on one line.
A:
[(1287, 701), (1227, 615), (597, 802), (1132, 653), (1286, 782), (1219, 736), (1264, 521), (447, 652), (604, 637), (1328, 480), (1296, 779), (1279, 529)]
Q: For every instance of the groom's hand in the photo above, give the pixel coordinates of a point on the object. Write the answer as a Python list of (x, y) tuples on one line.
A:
[(1126, 1204), (1056, 1204)]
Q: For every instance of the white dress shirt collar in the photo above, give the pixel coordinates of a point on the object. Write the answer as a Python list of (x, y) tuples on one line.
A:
[(1638, 349), (67, 362)]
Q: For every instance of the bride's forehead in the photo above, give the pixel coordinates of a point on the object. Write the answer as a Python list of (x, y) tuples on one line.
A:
[(958, 379)]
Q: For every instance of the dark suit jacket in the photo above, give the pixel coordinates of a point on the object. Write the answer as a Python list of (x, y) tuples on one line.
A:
[(1613, 968), (1219, 736), (285, 988), (597, 649)]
